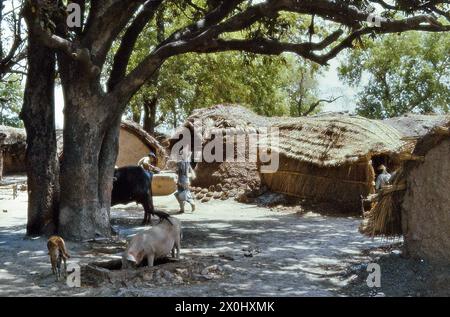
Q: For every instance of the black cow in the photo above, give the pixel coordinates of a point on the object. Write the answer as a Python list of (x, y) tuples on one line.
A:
[(133, 183)]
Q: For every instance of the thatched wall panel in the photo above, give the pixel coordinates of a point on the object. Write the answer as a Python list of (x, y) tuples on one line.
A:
[(343, 184)]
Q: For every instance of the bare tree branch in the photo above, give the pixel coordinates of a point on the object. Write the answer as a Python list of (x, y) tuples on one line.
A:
[(16, 52), (314, 105)]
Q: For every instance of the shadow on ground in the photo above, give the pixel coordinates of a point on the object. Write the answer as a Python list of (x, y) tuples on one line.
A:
[(262, 252)]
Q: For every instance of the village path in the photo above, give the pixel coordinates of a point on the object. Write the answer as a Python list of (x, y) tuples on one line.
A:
[(292, 254)]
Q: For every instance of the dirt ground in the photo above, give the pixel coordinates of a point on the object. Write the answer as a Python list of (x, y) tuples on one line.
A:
[(255, 251)]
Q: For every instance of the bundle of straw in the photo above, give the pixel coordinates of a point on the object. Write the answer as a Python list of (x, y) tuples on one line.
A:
[(384, 219)]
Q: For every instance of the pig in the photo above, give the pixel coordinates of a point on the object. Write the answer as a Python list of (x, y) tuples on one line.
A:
[(157, 242), (133, 183)]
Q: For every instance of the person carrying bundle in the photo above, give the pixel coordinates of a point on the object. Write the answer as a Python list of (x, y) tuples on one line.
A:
[(184, 170), (383, 178)]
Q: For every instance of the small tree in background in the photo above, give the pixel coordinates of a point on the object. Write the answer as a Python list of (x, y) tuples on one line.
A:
[(403, 73)]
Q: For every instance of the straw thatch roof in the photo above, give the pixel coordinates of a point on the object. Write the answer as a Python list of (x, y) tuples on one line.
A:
[(432, 139), (416, 125), (223, 118), (230, 116), (13, 135), (335, 140), (325, 140)]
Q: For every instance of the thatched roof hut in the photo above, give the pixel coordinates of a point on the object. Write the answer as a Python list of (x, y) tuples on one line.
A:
[(336, 140), (223, 179), (323, 158), (417, 204), (134, 144), (13, 149), (332, 158), (416, 125)]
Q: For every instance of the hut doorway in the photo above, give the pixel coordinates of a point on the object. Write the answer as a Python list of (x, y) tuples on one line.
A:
[(385, 160)]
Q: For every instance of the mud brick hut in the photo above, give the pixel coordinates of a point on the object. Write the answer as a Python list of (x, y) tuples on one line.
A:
[(417, 204), (332, 158), (134, 144), (222, 180), (324, 158), (12, 150)]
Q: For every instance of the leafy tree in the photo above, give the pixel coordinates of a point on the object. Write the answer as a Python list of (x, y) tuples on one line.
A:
[(11, 93), (408, 72), (12, 53), (267, 85)]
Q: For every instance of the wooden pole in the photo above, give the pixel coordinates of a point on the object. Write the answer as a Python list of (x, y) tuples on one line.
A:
[(2, 140)]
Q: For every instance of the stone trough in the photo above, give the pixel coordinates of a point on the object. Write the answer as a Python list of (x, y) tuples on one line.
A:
[(165, 272)]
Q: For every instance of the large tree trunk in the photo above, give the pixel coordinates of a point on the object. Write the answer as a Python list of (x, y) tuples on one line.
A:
[(1, 158), (150, 114), (91, 133), (41, 155)]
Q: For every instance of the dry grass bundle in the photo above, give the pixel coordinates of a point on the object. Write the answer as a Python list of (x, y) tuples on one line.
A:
[(384, 219)]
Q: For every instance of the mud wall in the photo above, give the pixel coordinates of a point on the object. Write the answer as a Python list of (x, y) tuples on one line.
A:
[(426, 207)]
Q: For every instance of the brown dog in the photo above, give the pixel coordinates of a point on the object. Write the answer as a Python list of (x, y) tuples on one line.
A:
[(57, 252)]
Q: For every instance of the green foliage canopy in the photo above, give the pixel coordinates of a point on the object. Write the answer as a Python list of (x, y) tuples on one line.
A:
[(11, 92), (409, 72), (269, 85)]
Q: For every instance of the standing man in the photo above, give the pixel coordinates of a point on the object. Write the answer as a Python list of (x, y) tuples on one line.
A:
[(383, 179), (184, 170)]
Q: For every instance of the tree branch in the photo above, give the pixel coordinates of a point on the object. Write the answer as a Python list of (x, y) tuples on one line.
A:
[(16, 50), (105, 24), (205, 35), (32, 14), (314, 105), (128, 42)]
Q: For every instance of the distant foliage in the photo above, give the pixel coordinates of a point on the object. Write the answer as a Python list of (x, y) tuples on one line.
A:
[(269, 85), (11, 93), (402, 73)]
